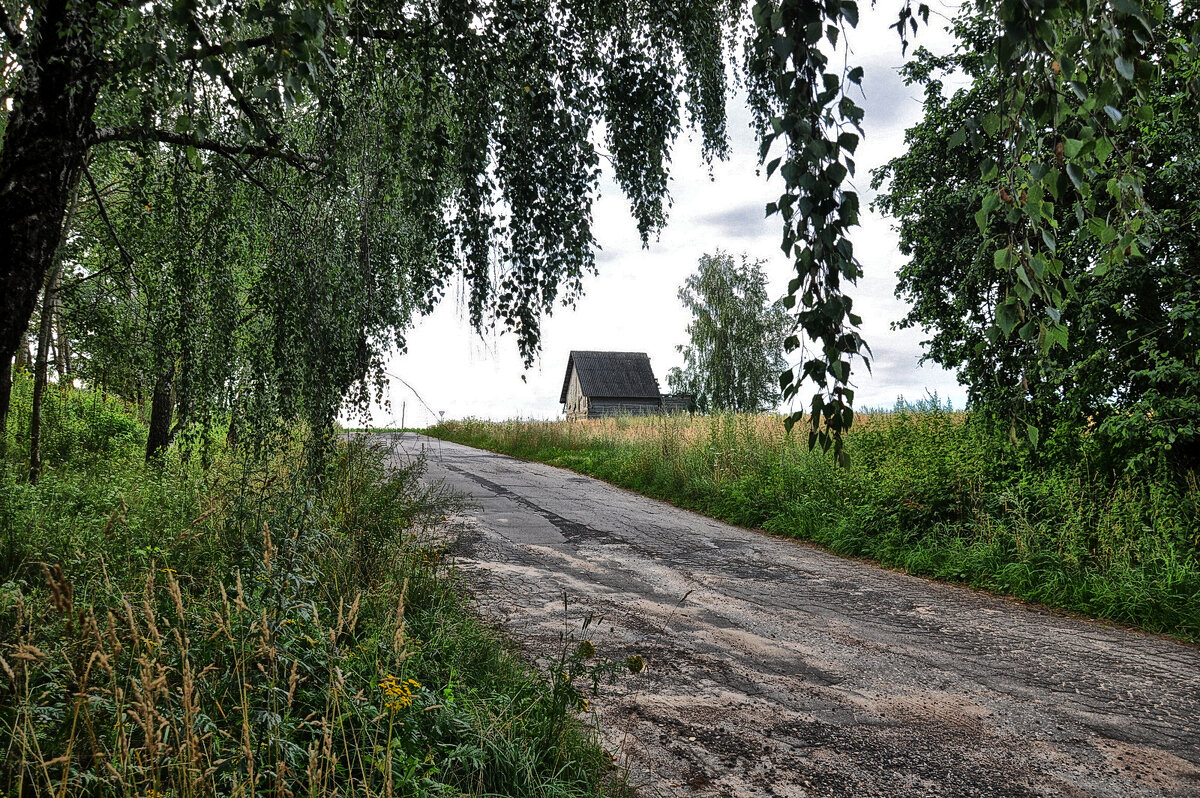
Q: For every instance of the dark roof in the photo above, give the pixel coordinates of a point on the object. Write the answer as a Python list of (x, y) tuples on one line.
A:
[(612, 375)]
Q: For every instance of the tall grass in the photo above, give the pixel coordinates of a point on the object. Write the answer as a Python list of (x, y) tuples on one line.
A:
[(926, 490), (252, 628)]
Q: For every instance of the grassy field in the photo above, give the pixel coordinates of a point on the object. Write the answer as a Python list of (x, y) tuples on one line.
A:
[(229, 625), (925, 491)]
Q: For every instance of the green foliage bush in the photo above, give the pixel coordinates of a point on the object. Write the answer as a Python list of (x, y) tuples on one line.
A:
[(927, 490), (257, 626), (76, 424)]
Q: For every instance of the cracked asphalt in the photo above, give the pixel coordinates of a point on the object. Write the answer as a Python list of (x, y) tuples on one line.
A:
[(777, 669)]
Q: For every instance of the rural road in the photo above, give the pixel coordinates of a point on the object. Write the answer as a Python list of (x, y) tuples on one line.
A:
[(776, 669)]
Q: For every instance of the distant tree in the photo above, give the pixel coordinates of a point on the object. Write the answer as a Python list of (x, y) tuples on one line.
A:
[(735, 355)]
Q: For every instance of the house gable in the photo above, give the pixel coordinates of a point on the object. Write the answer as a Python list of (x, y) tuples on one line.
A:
[(611, 375)]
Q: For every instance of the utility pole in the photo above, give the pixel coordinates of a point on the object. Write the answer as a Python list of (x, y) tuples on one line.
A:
[(403, 407)]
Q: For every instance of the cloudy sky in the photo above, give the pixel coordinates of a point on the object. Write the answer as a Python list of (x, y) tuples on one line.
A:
[(631, 305)]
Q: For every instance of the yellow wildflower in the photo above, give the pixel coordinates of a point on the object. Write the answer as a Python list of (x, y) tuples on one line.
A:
[(398, 695)]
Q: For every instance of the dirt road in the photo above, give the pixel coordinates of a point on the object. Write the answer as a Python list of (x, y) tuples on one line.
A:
[(775, 669)]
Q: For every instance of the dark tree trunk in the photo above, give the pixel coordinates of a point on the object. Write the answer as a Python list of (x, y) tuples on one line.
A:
[(7, 365), (233, 436), (62, 340), (162, 407), (39, 378), (55, 308), (42, 158)]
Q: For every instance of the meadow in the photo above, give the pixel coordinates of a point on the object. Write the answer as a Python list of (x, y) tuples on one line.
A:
[(220, 622), (925, 490)]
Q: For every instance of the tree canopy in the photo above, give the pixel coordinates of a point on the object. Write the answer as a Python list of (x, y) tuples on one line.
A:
[(734, 354), (1126, 359), (325, 169), (1074, 77)]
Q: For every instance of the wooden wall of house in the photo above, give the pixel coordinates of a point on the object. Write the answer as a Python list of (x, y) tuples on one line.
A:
[(678, 403), (577, 404), (600, 408)]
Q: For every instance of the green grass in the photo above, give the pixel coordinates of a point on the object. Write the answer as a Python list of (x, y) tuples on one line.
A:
[(929, 492), (228, 625)]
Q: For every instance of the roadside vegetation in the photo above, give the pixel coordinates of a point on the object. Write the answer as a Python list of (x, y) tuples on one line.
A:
[(213, 622), (926, 490)]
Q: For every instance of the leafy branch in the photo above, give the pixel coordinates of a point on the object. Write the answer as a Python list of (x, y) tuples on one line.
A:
[(803, 104), (144, 135)]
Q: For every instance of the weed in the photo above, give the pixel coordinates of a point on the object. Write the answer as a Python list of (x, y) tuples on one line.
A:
[(255, 627)]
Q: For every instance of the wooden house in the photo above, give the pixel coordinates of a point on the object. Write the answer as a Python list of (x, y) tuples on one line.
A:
[(599, 384)]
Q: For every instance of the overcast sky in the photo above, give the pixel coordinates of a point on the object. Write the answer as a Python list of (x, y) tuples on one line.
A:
[(631, 305)]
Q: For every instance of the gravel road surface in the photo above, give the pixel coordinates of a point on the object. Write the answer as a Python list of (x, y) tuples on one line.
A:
[(777, 669)]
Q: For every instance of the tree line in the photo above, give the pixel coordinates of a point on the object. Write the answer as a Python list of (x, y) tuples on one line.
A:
[(239, 208)]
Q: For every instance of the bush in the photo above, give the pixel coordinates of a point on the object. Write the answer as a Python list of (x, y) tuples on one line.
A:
[(257, 626)]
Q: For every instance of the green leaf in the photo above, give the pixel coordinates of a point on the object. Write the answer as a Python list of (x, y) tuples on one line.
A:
[(1007, 316), (1057, 335), (1048, 239), (1002, 258), (991, 201), (850, 13), (1076, 175), (840, 370), (1125, 67), (1032, 433)]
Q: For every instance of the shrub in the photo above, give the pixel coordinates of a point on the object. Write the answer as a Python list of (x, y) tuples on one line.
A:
[(257, 626)]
